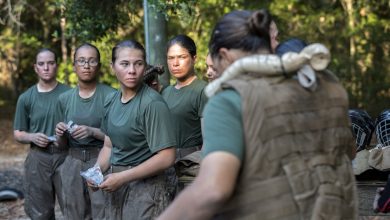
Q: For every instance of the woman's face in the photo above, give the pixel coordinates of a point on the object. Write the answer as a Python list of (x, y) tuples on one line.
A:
[(180, 62), (211, 73), (86, 64), (129, 67), (225, 58), (46, 66)]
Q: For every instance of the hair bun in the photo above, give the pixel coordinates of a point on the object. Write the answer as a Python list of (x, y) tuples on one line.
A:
[(259, 22)]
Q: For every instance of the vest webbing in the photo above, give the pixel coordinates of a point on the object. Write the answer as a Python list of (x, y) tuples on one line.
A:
[(296, 145)]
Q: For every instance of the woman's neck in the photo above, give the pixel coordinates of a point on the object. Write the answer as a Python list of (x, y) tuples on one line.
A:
[(44, 86), (185, 82), (86, 90), (128, 94)]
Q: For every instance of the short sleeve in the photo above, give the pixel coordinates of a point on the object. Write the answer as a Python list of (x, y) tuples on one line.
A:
[(21, 120), (59, 110), (202, 103), (158, 126), (223, 129), (108, 101)]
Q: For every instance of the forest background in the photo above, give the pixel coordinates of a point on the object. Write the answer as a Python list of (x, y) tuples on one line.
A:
[(355, 31)]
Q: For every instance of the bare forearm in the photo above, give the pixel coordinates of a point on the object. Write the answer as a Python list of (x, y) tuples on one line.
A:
[(104, 158), (154, 165), (97, 133), (23, 137), (215, 182), (201, 208)]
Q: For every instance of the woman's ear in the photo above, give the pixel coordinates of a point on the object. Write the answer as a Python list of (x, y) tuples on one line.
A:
[(224, 54), (35, 68), (227, 55), (112, 68)]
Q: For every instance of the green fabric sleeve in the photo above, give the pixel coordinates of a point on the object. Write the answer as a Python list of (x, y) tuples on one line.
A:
[(21, 121), (223, 128), (159, 129), (202, 103)]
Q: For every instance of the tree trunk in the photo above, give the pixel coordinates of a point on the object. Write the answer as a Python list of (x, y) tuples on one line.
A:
[(64, 49), (349, 9)]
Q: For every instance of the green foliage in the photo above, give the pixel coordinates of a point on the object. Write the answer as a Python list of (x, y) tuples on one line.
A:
[(183, 8), (88, 18), (105, 45), (360, 52), (66, 68)]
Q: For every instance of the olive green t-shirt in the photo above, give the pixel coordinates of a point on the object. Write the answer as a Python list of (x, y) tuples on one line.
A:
[(139, 128), (89, 112), (186, 105), (35, 111), (223, 127)]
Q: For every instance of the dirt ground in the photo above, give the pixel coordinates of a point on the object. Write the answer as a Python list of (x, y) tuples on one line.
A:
[(12, 156)]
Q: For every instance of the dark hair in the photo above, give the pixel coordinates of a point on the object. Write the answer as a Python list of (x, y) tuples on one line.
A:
[(152, 73), (46, 50), (291, 45), (183, 41), (87, 45), (244, 30), (130, 44)]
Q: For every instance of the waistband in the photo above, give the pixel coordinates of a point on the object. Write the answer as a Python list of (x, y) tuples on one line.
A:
[(50, 149), (182, 152), (117, 169), (84, 154)]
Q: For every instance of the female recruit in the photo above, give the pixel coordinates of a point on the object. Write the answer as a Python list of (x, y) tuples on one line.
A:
[(139, 143)]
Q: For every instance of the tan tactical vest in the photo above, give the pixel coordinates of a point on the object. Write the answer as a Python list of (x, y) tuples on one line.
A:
[(296, 163)]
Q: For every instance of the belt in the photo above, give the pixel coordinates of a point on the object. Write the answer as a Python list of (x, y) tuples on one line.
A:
[(182, 152), (50, 149), (84, 154), (117, 169)]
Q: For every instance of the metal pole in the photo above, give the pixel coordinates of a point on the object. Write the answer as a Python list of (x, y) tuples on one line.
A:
[(156, 39), (146, 27)]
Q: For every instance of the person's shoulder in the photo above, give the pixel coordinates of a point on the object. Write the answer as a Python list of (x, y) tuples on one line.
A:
[(30, 90), (150, 95), (106, 88), (228, 95), (228, 98), (199, 84), (167, 89), (26, 94), (63, 87), (67, 94), (111, 97)]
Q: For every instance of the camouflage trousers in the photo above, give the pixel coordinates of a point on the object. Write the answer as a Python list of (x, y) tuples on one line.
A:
[(80, 201), (141, 199), (42, 183)]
